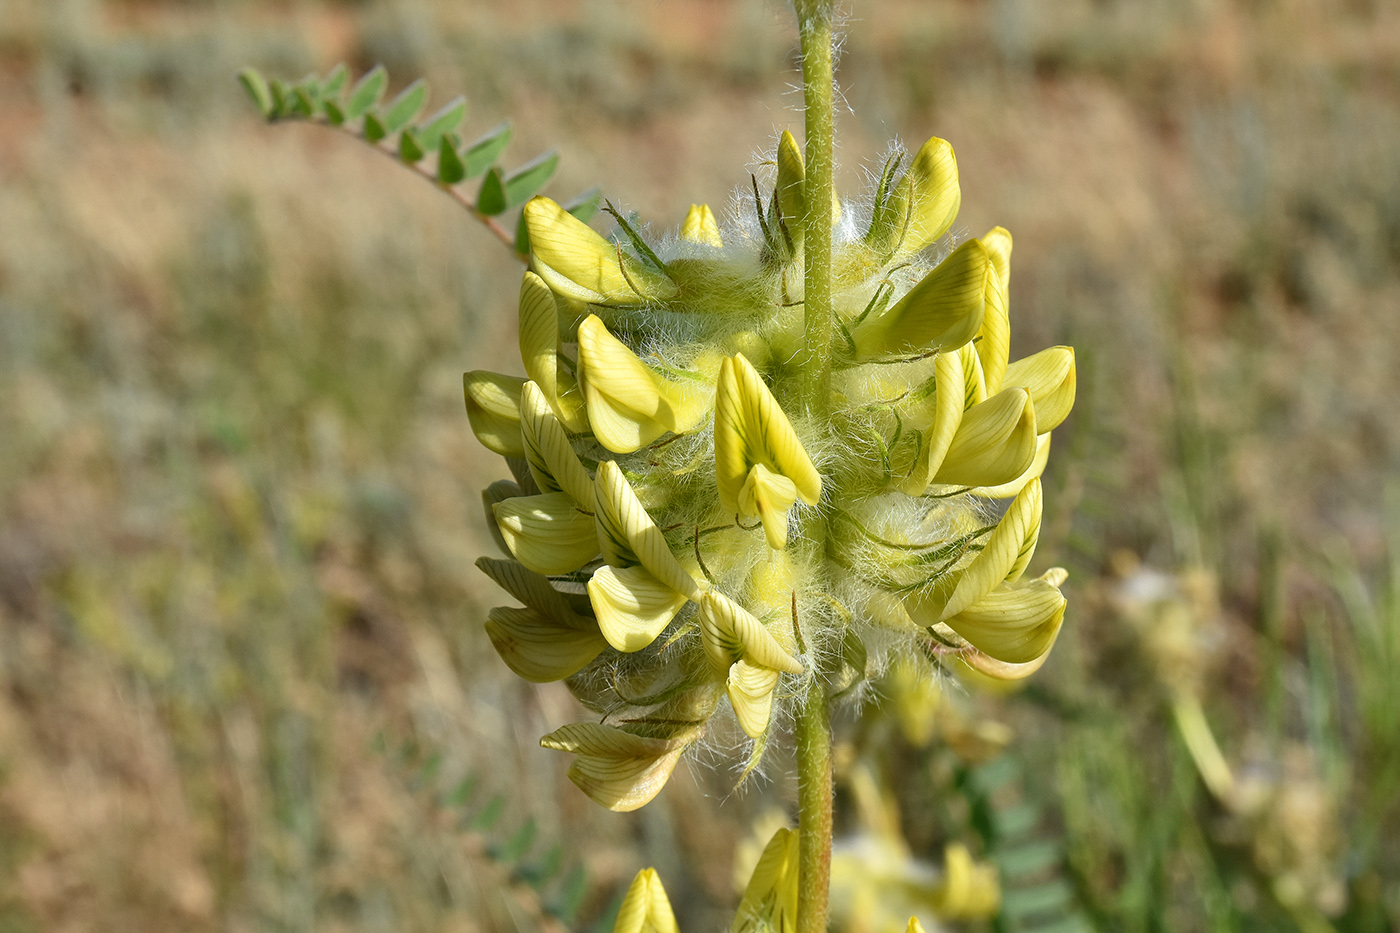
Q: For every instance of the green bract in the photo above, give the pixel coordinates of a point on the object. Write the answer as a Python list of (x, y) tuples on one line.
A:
[(667, 468)]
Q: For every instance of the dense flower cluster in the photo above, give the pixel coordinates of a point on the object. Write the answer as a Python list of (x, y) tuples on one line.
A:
[(687, 523)]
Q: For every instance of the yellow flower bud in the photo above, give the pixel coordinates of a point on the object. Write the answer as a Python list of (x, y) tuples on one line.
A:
[(553, 463), (769, 904), (934, 196), (969, 891), (994, 339), (942, 312), (539, 349), (645, 907), (1015, 622), (792, 174), (730, 633), (761, 468), (700, 226), (575, 261), (1050, 378), (493, 409), (629, 405), (995, 442)]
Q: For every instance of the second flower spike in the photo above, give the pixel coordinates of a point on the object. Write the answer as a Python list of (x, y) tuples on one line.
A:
[(761, 468)]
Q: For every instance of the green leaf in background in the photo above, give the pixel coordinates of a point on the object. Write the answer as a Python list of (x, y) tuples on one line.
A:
[(374, 130), (335, 82), (303, 102), (491, 199), (256, 87), (585, 205), (366, 92), (518, 845), (334, 114), (410, 149), (280, 94), (499, 192), (483, 153), (406, 106), (450, 168), (445, 120), (525, 182)]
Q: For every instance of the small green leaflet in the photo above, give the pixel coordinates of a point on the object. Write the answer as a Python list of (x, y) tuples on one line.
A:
[(445, 120), (450, 168), (256, 86), (405, 107), (366, 92), (481, 154), (374, 130), (410, 150), (499, 193), (335, 82)]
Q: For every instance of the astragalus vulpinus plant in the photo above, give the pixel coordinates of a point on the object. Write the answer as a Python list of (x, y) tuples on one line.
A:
[(750, 459)]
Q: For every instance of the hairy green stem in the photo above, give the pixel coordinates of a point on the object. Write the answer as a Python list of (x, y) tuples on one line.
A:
[(814, 788), (814, 21), (813, 809)]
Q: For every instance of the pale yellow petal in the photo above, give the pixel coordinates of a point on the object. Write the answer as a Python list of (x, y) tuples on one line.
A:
[(632, 606), (1050, 377), (751, 428), (994, 339), (700, 226), (791, 186), (769, 904), (1016, 622), (730, 633), (575, 260), (989, 666), (493, 409), (534, 590), (934, 196), (1004, 554), (914, 926), (548, 533), (1037, 467), (539, 649), (618, 769), (942, 312), (938, 437), (553, 463), (499, 491), (768, 495), (968, 891), (645, 907), (750, 688), (995, 443), (629, 406), (627, 535), (539, 349)]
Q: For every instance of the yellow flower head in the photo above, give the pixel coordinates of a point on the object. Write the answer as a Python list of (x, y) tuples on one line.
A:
[(691, 530)]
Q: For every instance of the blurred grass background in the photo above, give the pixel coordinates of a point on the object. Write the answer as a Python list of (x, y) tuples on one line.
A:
[(243, 680)]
